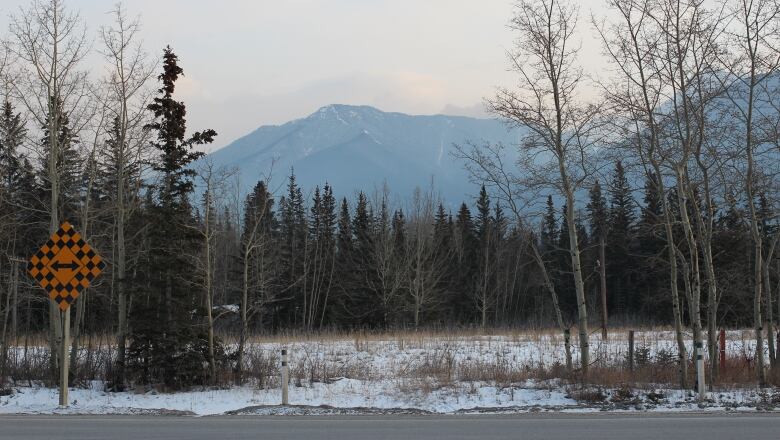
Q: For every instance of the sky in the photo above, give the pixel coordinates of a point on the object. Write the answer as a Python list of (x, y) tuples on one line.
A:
[(249, 63)]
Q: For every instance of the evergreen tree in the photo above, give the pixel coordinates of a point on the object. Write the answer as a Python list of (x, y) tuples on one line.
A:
[(12, 132), (483, 286), (399, 235), (328, 215), (258, 209), (444, 242), (363, 264), (597, 212), (560, 267), (549, 235), (442, 229), (653, 278), (293, 235), (620, 239), (16, 178), (732, 251), (320, 257), (465, 264), (67, 164), (499, 222), (168, 339), (345, 276)]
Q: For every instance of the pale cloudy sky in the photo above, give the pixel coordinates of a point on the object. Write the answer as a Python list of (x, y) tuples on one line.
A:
[(254, 62)]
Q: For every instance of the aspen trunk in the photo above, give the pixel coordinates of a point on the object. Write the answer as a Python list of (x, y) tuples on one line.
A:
[(712, 316), (603, 285), (758, 260), (682, 355), (209, 312), (53, 174), (579, 285), (14, 300), (4, 334), (244, 319), (770, 324), (757, 320), (485, 269), (208, 288), (121, 289), (694, 278), (556, 306)]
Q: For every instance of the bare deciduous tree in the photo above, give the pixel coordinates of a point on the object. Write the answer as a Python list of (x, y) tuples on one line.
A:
[(545, 104), (425, 265), (487, 164), (128, 73), (50, 42), (753, 39)]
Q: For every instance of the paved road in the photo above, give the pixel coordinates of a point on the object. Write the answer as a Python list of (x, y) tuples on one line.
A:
[(521, 427)]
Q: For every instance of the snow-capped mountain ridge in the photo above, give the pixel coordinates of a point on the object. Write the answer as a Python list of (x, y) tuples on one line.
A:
[(358, 148)]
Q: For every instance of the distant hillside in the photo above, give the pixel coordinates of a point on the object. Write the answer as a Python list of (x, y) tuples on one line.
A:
[(359, 147)]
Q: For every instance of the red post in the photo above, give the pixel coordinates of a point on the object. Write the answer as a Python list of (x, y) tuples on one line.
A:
[(722, 349)]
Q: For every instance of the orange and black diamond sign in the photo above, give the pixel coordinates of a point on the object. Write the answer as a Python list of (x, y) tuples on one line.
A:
[(65, 265)]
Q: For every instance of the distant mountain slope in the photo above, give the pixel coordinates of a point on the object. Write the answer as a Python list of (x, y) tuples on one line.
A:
[(359, 147)]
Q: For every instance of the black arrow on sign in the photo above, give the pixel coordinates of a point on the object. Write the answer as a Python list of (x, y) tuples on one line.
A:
[(59, 266)]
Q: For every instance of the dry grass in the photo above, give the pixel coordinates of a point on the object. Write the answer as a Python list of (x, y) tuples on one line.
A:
[(420, 335), (323, 357)]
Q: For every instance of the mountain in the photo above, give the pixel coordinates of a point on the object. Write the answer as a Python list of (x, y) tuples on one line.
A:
[(360, 147)]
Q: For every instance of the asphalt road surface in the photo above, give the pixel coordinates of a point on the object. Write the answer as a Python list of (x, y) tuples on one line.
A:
[(521, 427)]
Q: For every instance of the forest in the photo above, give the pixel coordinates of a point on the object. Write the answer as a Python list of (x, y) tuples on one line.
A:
[(651, 202)]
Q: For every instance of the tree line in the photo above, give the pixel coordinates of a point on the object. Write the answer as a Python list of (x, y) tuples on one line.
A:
[(655, 203)]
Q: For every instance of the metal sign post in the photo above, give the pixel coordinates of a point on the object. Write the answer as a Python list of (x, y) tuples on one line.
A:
[(64, 360), (64, 266)]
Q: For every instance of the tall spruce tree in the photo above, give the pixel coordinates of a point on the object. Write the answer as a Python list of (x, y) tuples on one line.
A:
[(561, 267), (620, 239), (650, 248), (67, 163), (466, 265), (12, 132), (168, 339), (598, 216), (362, 309), (15, 177), (549, 233), (345, 276), (319, 259), (483, 284)]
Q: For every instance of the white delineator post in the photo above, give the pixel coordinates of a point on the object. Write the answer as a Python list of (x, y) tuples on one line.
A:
[(699, 369), (285, 377)]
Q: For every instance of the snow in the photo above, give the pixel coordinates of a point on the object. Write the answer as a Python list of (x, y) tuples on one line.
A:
[(436, 374), (344, 393), (228, 308), (355, 395)]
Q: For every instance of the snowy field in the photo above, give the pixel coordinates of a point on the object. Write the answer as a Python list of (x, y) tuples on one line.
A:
[(506, 372)]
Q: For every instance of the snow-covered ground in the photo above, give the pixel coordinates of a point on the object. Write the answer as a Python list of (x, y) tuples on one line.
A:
[(377, 396), (433, 373)]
